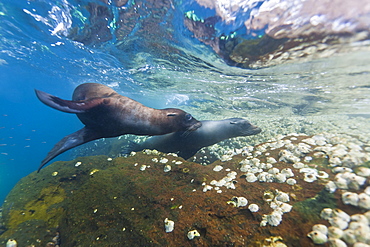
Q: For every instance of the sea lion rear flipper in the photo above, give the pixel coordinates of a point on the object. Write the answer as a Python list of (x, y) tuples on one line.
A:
[(186, 154), (68, 106), (70, 141)]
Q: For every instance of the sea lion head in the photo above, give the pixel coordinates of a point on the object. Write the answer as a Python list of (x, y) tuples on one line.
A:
[(243, 127), (181, 120)]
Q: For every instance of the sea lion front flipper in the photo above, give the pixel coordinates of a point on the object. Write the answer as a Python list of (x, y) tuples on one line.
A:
[(70, 141), (68, 106), (186, 154)]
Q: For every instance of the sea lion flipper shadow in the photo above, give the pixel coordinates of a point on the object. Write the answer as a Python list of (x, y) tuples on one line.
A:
[(68, 106), (75, 139), (186, 154)]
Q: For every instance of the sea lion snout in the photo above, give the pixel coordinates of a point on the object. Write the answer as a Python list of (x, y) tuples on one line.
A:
[(254, 130), (243, 127), (195, 126), (190, 122)]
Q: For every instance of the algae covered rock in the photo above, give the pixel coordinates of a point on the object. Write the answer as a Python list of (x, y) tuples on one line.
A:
[(97, 201)]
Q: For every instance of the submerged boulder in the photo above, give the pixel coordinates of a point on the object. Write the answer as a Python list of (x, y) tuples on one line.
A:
[(139, 201)]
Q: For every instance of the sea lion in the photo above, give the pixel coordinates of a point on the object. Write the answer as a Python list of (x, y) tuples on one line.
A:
[(187, 144), (105, 113)]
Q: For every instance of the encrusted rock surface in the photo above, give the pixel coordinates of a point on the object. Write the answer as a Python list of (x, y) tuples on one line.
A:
[(105, 202)]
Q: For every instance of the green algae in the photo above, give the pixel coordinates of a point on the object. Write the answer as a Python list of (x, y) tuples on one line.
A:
[(310, 209), (43, 210)]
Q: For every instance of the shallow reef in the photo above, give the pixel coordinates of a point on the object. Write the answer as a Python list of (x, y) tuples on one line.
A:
[(272, 194)]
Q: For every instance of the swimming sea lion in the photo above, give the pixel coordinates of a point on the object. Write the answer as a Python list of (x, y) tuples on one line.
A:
[(187, 144), (105, 113)]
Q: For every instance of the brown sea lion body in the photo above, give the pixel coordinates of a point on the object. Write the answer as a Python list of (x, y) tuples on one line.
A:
[(105, 113)]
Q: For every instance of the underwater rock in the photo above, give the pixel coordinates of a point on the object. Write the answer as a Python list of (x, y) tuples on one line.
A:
[(109, 202)]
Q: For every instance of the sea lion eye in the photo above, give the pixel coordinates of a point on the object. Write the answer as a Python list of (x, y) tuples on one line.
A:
[(188, 117)]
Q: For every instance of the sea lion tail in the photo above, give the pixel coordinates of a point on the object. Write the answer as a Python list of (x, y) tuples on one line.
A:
[(70, 141), (61, 104)]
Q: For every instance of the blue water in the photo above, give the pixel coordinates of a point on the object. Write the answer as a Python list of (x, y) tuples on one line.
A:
[(173, 70)]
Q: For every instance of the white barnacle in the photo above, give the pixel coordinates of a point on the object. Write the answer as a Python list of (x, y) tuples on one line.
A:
[(310, 177), (350, 198), (355, 182), (307, 158), (218, 168), (338, 222), (11, 243), (317, 237), (340, 182), (291, 181), (230, 185), (363, 171), (367, 190), (334, 232), (309, 141), (285, 207), (262, 177), (253, 208), (207, 187), (270, 178), (167, 168), (142, 167), (340, 169), (326, 213), (169, 225), (331, 186), (282, 196), (288, 157), (364, 201), (349, 236), (240, 201), (341, 214), (280, 178), (250, 177), (360, 218), (275, 218), (335, 242), (320, 228), (335, 161), (298, 165), (287, 172), (273, 170), (322, 174), (192, 234), (271, 160), (163, 160)]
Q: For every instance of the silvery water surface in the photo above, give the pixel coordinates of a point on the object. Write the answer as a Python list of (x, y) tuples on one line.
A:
[(170, 66)]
